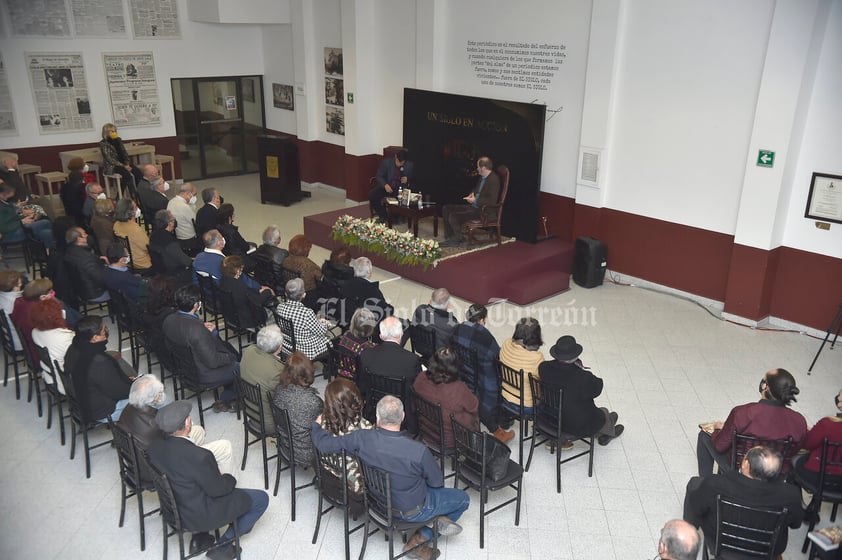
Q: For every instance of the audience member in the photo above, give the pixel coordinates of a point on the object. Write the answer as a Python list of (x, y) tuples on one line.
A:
[(117, 277), (295, 395), (269, 259), (769, 418), (152, 192), (115, 159), (755, 484), (50, 331), (146, 396), (679, 541), (473, 334), (86, 269), (437, 315), (311, 332), (337, 269), (360, 291), (10, 175), (262, 365), (160, 303), (357, 338), (206, 498), (392, 174), (207, 217), (388, 359), (440, 384), (580, 416), (249, 304), (127, 226), (343, 414), (209, 261), (522, 352), (150, 176), (11, 288), (217, 363), (95, 192), (487, 191), (102, 225), (72, 192), (183, 208), (234, 242), (101, 381), (166, 250), (13, 220), (418, 492), (22, 314), (808, 464), (298, 261)]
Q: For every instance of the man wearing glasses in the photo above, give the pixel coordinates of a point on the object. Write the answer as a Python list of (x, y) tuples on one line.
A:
[(769, 418)]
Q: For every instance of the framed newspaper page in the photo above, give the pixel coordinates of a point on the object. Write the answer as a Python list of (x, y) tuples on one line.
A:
[(824, 202)]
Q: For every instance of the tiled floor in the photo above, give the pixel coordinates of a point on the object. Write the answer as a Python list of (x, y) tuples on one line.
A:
[(667, 363)]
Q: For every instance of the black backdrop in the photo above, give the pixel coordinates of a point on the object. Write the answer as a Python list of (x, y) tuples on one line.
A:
[(446, 134)]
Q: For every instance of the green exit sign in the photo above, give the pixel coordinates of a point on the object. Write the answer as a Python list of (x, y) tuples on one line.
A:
[(765, 158)]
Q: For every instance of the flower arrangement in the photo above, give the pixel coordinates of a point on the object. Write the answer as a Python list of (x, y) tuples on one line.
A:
[(402, 248)]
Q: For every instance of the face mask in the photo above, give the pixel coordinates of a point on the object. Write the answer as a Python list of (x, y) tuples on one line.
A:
[(761, 387), (86, 168), (192, 200), (128, 259), (199, 309), (113, 135), (101, 196), (166, 186), (137, 213)]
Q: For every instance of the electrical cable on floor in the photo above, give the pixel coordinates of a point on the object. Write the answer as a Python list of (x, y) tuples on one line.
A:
[(613, 279)]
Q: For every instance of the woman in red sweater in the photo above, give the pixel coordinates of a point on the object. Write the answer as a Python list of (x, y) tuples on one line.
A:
[(830, 427)]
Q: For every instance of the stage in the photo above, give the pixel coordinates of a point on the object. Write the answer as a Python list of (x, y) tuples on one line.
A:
[(521, 273)]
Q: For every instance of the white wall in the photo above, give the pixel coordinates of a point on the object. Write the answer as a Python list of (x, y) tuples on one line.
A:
[(279, 68), (204, 50), (821, 146), (534, 21), (687, 85)]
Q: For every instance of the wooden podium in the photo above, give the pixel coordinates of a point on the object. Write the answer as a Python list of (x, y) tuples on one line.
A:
[(280, 180)]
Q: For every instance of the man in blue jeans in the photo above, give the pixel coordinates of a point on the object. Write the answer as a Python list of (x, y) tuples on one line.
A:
[(418, 492), (12, 221)]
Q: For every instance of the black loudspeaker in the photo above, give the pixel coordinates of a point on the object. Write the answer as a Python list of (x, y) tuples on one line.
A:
[(590, 263)]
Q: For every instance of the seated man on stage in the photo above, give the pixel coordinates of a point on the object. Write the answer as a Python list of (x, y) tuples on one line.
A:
[(486, 192), (392, 173)]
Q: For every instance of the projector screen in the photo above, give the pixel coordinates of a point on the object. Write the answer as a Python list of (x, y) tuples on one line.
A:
[(446, 134)]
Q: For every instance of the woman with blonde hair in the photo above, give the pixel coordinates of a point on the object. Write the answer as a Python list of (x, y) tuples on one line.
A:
[(116, 160)]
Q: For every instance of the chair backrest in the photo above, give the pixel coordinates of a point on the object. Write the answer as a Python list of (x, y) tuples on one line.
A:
[(748, 531), (378, 494), (288, 330), (469, 372), (128, 316), (127, 244), (831, 457), (6, 334), (169, 507), (511, 382), (251, 405), (423, 340), (184, 365), (343, 363), (287, 275), (332, 477), (546, 404), (126, 456), (470, 450), (266, 271), (76, 412), (283, 432), (741, 443), (228, 308), (430, 424), (378, 387), (504, 174)]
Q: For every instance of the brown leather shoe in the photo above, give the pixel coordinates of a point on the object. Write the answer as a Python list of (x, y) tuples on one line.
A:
[(422, 552), (503, 435)]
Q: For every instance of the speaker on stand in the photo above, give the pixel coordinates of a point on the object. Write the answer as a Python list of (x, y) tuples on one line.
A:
[(590, 262)]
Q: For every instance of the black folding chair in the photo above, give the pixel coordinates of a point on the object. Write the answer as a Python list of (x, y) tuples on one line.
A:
[(513, 384), (14, 358), (431, 429), (829, 488), (251, 405), (286, 454), (469, 372), (55, 398), (746, 531), (332, 484), (741, 443), (132, 484), (186, 378), (422, 339)]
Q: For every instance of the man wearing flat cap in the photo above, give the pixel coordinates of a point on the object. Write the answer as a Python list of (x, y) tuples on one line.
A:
[(206, 498), (580, 416)]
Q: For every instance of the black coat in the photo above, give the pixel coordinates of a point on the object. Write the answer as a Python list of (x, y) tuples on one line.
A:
[(206, 219), (359, 292), (86, 272), (167, 251), (215, 359), (206, 498), (248, 303), (389, 360), (580, 416), (97, 377)]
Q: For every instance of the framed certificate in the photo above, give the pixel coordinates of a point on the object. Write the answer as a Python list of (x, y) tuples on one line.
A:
[(825, 199)]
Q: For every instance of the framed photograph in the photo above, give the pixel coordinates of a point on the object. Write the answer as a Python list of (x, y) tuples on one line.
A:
[(248, 90), (335, 120), (334, 92), (282, 97), (333, 61), (824, 202), (231, 103)]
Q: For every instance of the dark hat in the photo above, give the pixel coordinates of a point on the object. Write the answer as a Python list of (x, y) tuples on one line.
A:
[(564, 349), (171, 417)]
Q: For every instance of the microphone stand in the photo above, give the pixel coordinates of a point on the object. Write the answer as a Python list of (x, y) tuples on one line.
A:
[(835, 325)]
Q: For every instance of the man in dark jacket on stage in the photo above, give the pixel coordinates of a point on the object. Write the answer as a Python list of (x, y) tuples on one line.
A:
[(206, 499), (392, 174)]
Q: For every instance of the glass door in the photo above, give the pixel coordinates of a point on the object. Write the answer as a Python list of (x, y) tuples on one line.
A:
[(217, 123)]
